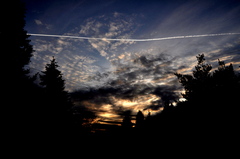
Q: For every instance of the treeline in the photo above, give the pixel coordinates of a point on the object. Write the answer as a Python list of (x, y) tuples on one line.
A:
[(209, 114), (211, 106)]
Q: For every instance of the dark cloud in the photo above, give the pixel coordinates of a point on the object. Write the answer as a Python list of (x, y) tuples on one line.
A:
[(127, 81), (123, 89), (149, 60), (105, 96), (232, 50), (182, 67), (166, 93), (99, 76), (145, 66)]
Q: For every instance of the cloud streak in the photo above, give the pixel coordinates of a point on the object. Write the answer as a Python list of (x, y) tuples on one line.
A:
[(133, 40)]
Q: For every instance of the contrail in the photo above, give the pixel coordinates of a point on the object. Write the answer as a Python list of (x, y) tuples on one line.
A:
[(132, 40)]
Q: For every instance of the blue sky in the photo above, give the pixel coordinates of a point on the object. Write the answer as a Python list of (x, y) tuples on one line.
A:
[(128, 64)]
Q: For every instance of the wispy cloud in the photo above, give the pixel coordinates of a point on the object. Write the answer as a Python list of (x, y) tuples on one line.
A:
[(42, 25), (38, 22)]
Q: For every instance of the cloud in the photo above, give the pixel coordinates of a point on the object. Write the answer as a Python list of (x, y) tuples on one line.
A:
[(38, 22), (42, 26), (54, 46), (127, 87), (106, 31), (130, 97), (150, 66), (148, 74)]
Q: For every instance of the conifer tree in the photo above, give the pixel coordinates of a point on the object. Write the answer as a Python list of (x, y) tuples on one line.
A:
[(58, 104), (52, 79)]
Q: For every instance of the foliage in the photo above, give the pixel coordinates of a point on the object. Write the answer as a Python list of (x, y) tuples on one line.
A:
[(212, 98), (206, 87), (197, 83)]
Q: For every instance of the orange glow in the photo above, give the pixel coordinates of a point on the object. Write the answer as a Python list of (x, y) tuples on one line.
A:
[(109, 115), (139, 103), (127, 103), (106, 112)]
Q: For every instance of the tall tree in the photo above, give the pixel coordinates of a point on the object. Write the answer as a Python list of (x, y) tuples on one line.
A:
[(139, 119), (52, 79), (20, 93), (58, 103), (127, 123), (196, 85)]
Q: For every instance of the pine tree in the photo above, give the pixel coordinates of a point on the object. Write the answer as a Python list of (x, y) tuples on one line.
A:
[(58, 103), (52, 79)]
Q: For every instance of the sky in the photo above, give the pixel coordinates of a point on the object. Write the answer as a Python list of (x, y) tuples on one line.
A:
[(102, 51)]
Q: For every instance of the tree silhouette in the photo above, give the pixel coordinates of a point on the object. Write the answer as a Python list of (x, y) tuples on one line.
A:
[(210, 111), (206, 87), (127, 123), (212, 97), (196, 84), (58, 103), (20, 94), (14, 39), (52, 79), (139, 119)]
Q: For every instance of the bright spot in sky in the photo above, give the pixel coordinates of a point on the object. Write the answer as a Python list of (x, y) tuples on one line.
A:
[(182, 99), (127, 103)]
